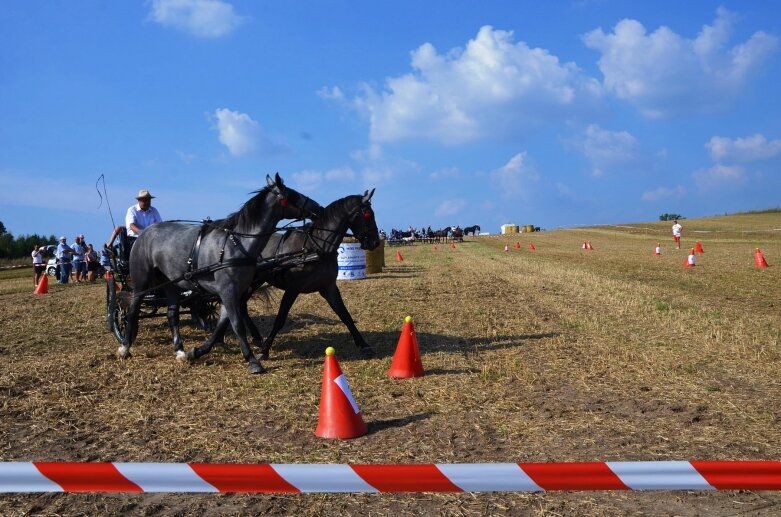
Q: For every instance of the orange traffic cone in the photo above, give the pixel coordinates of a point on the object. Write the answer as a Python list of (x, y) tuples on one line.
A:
[(690, 260), (531, 246), (589, 247), (518, 245), (406, 360), (506, 248), (434, 247), (453, 245), (759, 259), (340, 416), (399, 257), (658, 249), (698, 247), (43, 285)]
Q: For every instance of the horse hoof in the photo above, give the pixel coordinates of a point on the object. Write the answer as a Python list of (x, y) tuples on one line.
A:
[(181, 356), (255, 368), (367, 352), (123, 352)]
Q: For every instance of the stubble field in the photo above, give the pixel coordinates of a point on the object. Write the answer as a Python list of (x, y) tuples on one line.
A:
[(553, 355)]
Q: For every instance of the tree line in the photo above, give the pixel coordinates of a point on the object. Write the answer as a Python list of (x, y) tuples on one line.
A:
[(21, 246)]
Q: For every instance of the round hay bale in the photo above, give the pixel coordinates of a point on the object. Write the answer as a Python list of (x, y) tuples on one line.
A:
[(375, 259)]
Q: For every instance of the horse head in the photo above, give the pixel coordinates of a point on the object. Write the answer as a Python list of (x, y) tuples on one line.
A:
[(362, 223), (293, 204)]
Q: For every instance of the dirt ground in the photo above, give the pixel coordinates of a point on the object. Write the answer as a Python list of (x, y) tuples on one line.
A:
[(555, 355)]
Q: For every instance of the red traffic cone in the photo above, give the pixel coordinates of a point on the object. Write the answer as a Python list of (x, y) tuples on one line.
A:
[(452, 245), (759, 259), (406, 360), (658, 249), (690, 260), (506, 248), (399, 257), (531, 246), (518, 245), (43, 285), (339, 414), (698, 247), (434, 247), (589, 247)]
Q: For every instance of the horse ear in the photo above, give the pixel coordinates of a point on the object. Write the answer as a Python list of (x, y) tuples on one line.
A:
[(269, 181), (279, 181), (367, 196)]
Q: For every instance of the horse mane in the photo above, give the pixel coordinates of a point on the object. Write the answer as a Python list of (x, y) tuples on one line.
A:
[(246, 213)]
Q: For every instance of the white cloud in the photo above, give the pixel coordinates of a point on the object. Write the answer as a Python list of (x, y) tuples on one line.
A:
[(720, 175), (663, 193), (447, 173), (746, 149), (513, 178), (606, 150), (663, 73), (201, 18), (333, 93), (242, 135), (309, 180), (492, 85), (449, 207), (238, 132)]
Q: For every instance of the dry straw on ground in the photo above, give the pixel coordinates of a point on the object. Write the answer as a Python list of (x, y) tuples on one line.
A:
[(552, 355)]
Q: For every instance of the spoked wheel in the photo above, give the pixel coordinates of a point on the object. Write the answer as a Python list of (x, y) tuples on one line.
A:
[(111, 300), (205, 314), (119, 319)]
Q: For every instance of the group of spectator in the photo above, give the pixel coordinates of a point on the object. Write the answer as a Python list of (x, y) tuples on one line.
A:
[(80, 262)]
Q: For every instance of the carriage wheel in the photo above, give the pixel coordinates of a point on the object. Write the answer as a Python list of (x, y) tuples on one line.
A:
[(118, 320), (111, 301), (205, 314)]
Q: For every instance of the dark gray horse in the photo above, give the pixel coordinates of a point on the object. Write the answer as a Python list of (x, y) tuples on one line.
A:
[(324, 237), (474, 230), (223, 257)]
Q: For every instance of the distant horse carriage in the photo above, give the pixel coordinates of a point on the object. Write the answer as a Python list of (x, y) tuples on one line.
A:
[(229, 247), (472, 230)]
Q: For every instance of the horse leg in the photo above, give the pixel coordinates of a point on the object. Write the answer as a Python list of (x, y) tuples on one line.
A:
[(218, 336), (131, 330), (257, 339), (233, 308), (172, 299), (284, 309), (334, 299)]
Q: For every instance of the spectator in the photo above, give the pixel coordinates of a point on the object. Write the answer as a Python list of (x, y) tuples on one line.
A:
[(91, 258), (79, 265), (39, 262), (64, 254)]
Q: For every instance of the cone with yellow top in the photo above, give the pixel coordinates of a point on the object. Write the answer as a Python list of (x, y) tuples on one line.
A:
[(406, 361), (43, 285), (340, 416)]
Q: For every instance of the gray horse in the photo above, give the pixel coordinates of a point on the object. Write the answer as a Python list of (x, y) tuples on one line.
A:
[(223, 257), (322, 237)]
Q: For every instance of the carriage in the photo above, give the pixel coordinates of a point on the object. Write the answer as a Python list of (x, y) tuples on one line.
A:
[(204, 308)]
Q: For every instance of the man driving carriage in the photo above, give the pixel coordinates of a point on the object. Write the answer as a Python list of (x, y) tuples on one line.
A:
[(138, 217)]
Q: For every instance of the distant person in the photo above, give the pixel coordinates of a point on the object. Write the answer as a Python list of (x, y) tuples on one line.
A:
[(79, 264), (137, 219), (677, 228), (39, 262), (105, 260), (91, 258), (64, 254)]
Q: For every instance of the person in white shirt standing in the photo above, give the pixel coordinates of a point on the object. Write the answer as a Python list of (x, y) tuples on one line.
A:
[(677, 233)]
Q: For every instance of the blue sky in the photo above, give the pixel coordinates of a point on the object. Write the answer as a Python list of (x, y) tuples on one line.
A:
[(458, 112)]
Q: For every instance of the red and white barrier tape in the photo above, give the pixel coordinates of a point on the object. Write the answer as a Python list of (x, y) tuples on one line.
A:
[(473, 477)]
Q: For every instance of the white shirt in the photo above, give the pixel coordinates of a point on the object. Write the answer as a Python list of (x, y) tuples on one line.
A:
[(140, 218), (677, 229)]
